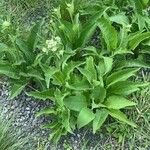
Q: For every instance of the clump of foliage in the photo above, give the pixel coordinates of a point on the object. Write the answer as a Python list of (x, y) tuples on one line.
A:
[(86, 84)]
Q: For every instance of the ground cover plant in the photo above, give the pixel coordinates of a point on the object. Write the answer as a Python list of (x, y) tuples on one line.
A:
[(87, 84)]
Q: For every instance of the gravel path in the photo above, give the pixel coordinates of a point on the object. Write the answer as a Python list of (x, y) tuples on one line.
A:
[(22, 109)]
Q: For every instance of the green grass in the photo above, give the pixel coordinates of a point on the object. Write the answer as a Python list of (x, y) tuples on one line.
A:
[(22, 13), (10, 138)]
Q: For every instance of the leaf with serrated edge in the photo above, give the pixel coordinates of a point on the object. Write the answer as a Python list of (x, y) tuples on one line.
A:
[(125, 87), (120, 75), (48, 94), (109, 33), (46, 111), (137, 39)]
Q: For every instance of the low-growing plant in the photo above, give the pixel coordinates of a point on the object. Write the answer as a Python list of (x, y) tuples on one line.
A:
[(85, 84)]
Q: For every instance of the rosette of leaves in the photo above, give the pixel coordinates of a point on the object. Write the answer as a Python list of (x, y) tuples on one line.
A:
[(87, 92)]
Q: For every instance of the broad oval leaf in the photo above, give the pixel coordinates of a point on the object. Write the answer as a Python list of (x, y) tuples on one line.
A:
[(79, 86), (90, 66), (89, 28), (76, 102), (105, 65), (34, 35), (118, 102), (86, 115)]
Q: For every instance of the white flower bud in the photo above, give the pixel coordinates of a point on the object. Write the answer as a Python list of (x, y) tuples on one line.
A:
[(54, 49), (6, 24), (68, 5), (57, 38), (44, 49)]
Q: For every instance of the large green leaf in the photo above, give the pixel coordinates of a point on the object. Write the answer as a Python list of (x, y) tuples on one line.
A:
[(43, 95), (137, 39), (9, 71), (109, 33), (100, 117), (120, 19), (16, 89), (59, 97), (58, 78), (85, 117), (120, 75), (79, 85), (123, 41), (121, 116), (125, 87), (75, 102), (118, 102), (85, 73)]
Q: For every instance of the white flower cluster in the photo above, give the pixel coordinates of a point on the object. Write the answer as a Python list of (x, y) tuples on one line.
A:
[(52, 45)]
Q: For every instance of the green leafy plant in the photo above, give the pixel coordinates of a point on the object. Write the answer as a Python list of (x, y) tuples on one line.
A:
[(85, 84)]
